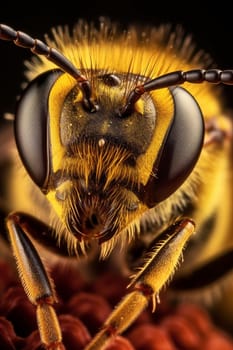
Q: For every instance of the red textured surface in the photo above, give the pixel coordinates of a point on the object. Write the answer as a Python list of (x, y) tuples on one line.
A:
[(83, 307)]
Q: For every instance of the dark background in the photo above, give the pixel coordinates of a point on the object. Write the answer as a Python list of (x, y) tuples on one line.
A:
[(211, 26)]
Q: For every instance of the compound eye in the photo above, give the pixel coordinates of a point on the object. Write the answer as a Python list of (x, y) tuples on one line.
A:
[(32, 127), (180, 151)]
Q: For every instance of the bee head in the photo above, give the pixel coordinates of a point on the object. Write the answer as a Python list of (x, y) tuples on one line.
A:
[(106, 146), (102, 167)]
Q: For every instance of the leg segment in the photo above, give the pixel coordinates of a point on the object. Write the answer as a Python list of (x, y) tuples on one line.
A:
[(144, 287), (42, 233), (36, 283), (146, 284)]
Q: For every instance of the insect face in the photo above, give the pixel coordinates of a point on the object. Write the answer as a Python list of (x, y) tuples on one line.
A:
[(98, 167), (100, 164), (86, 163)]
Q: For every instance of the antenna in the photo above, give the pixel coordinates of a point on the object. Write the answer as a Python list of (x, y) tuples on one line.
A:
[(195, 76), (38, 47)]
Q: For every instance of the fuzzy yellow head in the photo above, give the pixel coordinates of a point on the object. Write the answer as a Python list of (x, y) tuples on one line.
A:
[(96, 155), (100, 168)]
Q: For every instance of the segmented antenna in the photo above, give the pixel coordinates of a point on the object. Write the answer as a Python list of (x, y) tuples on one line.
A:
[(195, 76), (40, 48)]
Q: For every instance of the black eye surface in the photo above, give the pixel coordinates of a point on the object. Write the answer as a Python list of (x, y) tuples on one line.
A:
[(32, 127), (180, 151)]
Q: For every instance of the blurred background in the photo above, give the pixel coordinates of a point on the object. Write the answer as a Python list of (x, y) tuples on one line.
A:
[(211, 26)]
